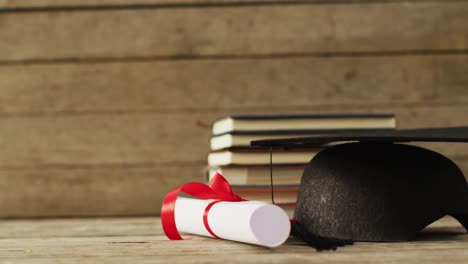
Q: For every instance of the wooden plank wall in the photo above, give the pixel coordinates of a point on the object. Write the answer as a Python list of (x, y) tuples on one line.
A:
[(101, 101)]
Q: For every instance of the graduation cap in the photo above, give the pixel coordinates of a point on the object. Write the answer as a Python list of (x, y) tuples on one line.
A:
[(373, 187)]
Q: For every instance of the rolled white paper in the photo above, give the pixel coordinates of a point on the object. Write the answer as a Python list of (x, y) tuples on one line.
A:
[(250, 222)]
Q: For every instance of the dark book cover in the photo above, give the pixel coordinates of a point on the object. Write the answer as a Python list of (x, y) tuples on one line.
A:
[(305, 116), (304, 132)]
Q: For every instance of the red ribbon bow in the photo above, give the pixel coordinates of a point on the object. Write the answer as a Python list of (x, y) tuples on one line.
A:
[(218, 189)]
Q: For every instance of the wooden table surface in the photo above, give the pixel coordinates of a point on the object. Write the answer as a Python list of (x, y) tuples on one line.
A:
[(141, 240)]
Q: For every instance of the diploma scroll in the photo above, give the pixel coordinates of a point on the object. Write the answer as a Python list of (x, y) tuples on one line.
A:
[(250, 222)]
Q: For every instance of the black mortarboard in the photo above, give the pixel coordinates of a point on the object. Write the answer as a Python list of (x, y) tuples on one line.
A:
[(375, 189)]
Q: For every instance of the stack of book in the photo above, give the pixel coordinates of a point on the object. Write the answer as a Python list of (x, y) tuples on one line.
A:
[(248, 169)]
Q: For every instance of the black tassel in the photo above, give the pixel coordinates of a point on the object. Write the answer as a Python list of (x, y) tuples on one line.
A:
[(315, 241)]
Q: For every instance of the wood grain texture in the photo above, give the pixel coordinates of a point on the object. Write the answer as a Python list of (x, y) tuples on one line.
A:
[(133, 3), (325, 28), (80, 227), (232, 84), (92, 191), (120, 226), (104, 3), (444, 241)]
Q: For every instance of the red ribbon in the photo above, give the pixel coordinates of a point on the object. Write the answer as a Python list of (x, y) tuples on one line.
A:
[(218, 189), (205, 218)]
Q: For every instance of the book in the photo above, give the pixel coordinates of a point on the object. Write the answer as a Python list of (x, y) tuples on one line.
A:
[(260, 157), (258, 175), (301, 122), (243, 138)]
